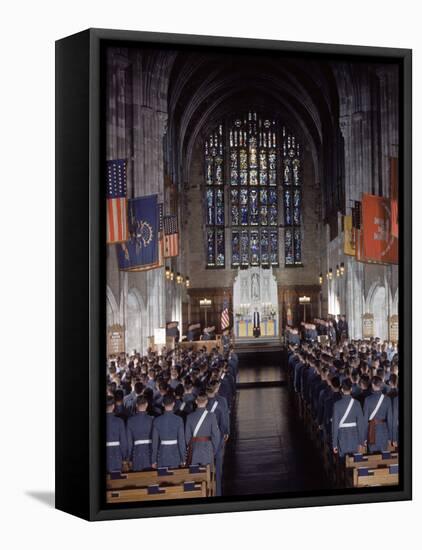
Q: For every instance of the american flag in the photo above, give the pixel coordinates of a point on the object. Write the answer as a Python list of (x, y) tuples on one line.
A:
[(171, 236), (117, 222), (225, 318)]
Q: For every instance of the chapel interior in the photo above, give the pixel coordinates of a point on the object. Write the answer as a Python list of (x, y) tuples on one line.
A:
[(261, 157)]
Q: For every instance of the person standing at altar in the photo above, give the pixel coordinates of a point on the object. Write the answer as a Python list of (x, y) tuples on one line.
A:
[(256, 323)]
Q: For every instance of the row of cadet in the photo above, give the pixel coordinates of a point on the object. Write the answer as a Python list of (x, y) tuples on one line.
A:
[(170, 410), (351, 391)]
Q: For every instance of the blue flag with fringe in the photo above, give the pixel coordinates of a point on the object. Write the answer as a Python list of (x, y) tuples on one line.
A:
[(140, 252)]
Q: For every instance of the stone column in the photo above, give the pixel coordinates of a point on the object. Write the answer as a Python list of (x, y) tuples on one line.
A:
[(389, 133), (149, 127), (117, 146), (354, 296)]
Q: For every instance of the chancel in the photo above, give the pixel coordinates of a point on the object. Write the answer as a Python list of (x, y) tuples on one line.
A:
[(252, 277)]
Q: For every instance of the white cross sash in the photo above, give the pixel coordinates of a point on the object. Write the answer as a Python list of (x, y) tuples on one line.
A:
[(374, 412), (344, 424), (197, 427)]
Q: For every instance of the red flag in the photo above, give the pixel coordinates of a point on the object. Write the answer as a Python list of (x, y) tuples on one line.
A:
[(379, 245)]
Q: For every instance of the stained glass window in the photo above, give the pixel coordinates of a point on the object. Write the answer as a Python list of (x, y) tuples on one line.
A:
[(263, 170), (214, 199), (253, 189), (292, 198)]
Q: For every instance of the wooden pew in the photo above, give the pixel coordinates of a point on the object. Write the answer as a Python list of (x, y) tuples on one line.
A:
[(371, 460), (372, 477), (188, 489), (162, 476)]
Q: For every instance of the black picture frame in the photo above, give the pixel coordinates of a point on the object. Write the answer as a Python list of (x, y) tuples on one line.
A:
[(80, 277)]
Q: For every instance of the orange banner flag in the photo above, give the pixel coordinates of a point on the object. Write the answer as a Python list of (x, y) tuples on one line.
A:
[(379, 244), (394, 195)]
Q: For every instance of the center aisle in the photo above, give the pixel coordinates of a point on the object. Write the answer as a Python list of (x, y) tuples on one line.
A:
[(268, 450)]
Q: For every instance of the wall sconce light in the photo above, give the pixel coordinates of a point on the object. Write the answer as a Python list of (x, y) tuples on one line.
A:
[(178, 278), (342, 269), (321, 279), (330, 274), (187, 281), (167, 273), (171, 275), (337, 270)]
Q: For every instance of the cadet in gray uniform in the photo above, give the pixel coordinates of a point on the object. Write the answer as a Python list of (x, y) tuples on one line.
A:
[(217, 405), (116, 442), (139, 436), (396, 421), (129, 402), (168, 438), (348, 433), (202, 433), (378, 414)]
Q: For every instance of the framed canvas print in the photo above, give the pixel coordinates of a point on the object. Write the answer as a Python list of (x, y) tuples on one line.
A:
[(233, 274)]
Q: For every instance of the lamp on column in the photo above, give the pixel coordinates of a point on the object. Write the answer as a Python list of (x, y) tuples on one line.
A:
[(167, 272), (321, 279), (304, 301), (178, 278), (187, 281), (171, 275), (342, 269), (330, 274), (337, 270)]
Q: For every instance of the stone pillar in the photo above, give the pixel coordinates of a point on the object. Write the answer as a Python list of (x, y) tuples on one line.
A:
[(389, 116), (149, 127), (117, 146), (354, 296)]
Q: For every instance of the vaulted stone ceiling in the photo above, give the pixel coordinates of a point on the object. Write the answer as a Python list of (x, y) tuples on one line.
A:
[(205, 87)]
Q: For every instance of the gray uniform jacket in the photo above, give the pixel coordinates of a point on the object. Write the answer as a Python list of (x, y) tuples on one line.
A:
[(395, 403), (348, 430), (139, 437), (203, 452), (116, 442), (168, 441), (383, 430), (219, 406)]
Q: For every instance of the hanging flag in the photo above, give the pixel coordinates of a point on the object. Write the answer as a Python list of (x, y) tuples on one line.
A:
[(225, 317), (140, 252), (357, 231), (349, 236), (117, 222), (160, 207), (360, 257), (171, 237), (379, 245), (394, 195)]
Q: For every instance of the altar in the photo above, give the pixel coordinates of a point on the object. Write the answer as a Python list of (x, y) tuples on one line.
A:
[(255, 296)]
